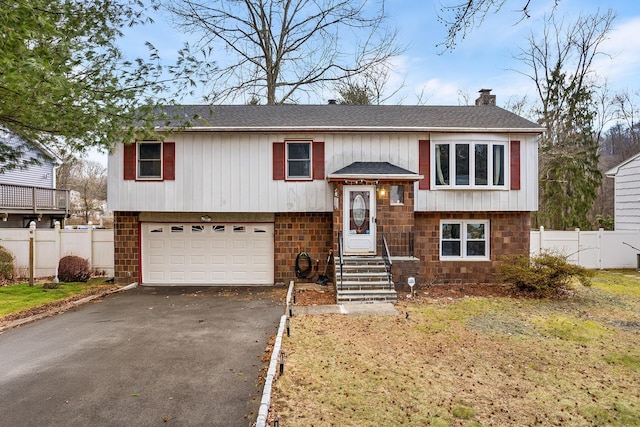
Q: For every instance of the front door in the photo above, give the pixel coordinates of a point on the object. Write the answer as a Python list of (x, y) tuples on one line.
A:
[(359, 220)]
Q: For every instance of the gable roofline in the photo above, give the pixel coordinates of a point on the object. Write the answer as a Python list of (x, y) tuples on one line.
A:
[(6, 135), (343, 118), (611, 173)]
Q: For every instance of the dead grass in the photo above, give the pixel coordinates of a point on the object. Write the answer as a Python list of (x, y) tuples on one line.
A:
[(471, 361)]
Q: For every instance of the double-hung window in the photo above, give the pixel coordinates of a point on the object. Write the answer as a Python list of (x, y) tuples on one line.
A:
[(464, 240), (470, 165), (149, 160), (299, 160)]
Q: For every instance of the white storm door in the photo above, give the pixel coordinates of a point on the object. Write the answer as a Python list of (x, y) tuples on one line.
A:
[(359, 221)]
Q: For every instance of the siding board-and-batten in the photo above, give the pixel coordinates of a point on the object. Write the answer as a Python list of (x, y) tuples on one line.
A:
[(233, 172), (627, 196)]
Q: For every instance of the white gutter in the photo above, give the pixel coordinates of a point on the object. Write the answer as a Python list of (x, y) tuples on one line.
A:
[(344, 129), (377, 176)]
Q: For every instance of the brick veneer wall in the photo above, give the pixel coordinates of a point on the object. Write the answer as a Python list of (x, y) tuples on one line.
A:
[(297, 232), (509, 234), (395, 221), (126, 240)]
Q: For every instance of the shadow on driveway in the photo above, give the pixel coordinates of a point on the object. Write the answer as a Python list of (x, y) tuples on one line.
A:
[(143, 357)]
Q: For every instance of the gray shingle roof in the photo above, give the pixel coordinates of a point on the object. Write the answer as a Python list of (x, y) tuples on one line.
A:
[(373, 168), (347, 118)]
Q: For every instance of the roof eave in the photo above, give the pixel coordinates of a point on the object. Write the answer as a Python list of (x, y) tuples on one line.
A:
[(373, 176), (536, 131)]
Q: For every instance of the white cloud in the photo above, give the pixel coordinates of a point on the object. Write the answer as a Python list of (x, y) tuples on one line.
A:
[(622, 66)]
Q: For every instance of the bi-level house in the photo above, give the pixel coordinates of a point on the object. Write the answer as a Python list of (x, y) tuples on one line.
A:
[(30, 194), (433, 191)]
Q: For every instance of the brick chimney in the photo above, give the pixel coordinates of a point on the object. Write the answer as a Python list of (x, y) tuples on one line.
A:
[(486, 98)]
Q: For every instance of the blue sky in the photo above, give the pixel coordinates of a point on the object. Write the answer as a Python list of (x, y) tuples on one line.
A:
[(483, 60)]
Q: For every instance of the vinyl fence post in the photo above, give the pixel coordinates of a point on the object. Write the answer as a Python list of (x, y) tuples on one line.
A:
[(32, 257), (90, 234), (56, 225)]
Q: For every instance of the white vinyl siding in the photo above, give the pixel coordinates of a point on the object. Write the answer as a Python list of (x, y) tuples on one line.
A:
[(627, 196), (464, 200), (232, 172)]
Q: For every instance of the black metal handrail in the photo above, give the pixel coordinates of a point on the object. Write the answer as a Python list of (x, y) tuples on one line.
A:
[(386, 257), (400, 244), (34, 199), (340, 254)]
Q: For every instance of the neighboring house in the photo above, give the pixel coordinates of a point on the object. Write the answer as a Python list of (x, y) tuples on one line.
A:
[(30, 194), (626, 186), (236, 197)]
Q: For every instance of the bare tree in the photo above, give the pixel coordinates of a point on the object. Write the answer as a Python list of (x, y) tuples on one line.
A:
[(560, 66), (89, 179), (277, 49), (466, 15), (369, 88)]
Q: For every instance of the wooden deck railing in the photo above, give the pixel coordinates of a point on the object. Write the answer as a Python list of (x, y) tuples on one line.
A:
[(34, 199)]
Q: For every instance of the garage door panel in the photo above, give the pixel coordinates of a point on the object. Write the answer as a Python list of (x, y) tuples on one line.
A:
[(197, 259), (156, 244), (177, 260), (198, 276), (157, 276), (207, 253), (198, 244), (177, 243), (218, 244), (177, 276), (156, 260)]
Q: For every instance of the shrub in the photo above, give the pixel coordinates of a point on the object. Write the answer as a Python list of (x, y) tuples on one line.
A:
[(74, 269), (7, 269), (545, 274)]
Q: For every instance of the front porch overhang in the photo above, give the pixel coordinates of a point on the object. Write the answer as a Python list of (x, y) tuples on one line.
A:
[(373, 171)]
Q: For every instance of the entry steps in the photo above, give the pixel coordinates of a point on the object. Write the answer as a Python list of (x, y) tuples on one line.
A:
[(364, 280)]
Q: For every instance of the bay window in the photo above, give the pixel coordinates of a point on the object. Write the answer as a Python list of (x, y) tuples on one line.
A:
[(469, 164)]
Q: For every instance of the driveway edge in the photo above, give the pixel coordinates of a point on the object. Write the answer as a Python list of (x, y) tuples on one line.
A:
[(265, 403)]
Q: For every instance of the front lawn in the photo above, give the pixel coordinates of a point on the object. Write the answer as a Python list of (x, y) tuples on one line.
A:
[(24, 299), (474, 361)]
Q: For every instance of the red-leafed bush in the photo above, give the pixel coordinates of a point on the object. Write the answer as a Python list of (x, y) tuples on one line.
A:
[(74, 269)]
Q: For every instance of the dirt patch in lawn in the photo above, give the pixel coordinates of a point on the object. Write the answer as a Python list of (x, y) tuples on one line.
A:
[(312, 294)]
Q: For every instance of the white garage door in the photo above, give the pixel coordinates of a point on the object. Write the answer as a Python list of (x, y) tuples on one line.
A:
[(217, 254)]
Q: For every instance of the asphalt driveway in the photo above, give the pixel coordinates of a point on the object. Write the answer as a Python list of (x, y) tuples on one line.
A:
[(143, 357)]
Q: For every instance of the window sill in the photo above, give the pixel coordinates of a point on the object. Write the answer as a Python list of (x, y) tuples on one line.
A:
[(460, 259), (434, 188)]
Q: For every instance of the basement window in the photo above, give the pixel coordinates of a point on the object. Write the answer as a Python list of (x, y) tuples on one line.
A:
[(464, 240)]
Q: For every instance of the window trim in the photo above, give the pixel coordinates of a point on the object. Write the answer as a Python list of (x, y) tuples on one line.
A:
[(310, 160), (401, 193), (463, 240), (506, 165), (138, 160)]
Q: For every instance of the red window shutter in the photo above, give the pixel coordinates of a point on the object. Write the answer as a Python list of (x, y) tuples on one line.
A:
[(424, 164), (130, 161), (515, 165), (278, 161), (169, 161), (318, 160)]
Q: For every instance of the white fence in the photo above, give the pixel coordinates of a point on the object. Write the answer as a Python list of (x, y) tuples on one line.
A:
[(591, 249), (51, 244)]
